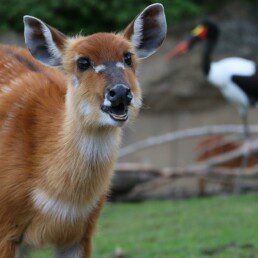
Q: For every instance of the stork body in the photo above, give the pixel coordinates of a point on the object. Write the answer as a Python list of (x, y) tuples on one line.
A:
[(235, 77), (224, 75)]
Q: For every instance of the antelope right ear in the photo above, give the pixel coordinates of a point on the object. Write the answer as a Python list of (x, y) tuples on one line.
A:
[(148, 30), (44, 42)]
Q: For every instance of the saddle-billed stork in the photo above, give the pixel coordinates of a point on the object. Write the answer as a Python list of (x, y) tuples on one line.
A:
[(235, 77)]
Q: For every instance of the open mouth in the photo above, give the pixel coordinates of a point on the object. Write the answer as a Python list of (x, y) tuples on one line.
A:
[(118, 113)]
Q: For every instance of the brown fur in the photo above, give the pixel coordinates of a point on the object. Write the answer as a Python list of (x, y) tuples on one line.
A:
[(57, 147), (40, 130)]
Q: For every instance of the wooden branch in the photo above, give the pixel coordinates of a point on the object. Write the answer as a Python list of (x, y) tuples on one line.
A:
[(186, 171), (216, 172), (184, 134)]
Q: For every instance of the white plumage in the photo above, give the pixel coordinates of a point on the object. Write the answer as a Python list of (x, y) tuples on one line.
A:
[(220, 75)]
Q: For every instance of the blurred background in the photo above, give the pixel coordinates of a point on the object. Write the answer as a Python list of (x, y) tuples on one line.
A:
[(158, 205)]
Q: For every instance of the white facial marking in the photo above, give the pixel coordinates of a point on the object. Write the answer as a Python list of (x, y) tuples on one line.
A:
[(85, 108), (120, 65), (98, 148), (99, 68), (75, 81), (107, 102), (59, 209)]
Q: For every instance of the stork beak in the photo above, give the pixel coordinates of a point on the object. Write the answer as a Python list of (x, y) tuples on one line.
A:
[(180, 49), (198, 34)]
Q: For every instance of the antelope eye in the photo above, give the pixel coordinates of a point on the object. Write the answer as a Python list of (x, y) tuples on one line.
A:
[(128, 58), (83, 63)]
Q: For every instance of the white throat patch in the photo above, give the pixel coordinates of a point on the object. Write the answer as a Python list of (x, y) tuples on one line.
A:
[(98, 148)]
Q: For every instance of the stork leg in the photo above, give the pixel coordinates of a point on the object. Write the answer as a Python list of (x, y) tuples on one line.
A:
[(247, 132), (246, 156), (247, 136)]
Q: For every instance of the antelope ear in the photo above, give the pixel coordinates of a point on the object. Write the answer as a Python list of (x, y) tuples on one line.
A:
[(44, 42), (148, 30)]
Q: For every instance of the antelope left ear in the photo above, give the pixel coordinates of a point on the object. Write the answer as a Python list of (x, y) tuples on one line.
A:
[(44, 42), (148, 30)]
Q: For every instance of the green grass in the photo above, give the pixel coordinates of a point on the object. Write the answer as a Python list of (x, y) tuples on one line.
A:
[(211, 227)]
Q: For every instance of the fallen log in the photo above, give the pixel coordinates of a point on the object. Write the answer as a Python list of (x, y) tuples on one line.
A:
[(138, 182), (184, 134)]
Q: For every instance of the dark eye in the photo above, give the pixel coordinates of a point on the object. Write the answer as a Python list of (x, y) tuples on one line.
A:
[(83, 63), (128, 58)]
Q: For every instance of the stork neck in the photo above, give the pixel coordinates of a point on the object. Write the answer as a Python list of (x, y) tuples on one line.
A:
[(207, 55)]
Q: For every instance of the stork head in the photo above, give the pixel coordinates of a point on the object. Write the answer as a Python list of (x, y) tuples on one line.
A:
[(205, 30)]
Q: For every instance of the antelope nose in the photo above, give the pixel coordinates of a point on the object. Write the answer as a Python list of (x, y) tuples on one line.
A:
[(118, 94)]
